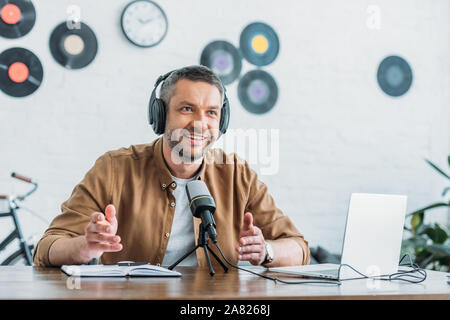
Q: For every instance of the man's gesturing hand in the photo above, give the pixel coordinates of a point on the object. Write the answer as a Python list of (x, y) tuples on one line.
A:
[(100, 234), (251, 243)]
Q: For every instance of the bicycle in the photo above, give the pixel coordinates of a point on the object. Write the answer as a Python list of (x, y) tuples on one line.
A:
[(25, 251)]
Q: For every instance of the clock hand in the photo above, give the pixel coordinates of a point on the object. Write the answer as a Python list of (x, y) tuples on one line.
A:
[(145, 21)]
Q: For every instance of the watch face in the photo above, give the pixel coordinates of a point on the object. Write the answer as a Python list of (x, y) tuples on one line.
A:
[(144, 23), (270, 255)]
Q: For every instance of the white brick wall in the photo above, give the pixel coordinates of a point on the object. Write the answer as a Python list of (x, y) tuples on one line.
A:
[(338, 132)]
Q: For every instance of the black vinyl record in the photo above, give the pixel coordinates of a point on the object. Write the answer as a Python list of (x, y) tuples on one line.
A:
[(73, 45), (17, 18), (394, 76), (224, 59), (259, 44), (257, 91), (21, 72)]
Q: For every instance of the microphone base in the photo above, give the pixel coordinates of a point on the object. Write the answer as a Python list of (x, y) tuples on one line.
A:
[(202, 243)]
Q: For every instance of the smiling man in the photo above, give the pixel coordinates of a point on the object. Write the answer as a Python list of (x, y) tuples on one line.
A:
[(132, 204)]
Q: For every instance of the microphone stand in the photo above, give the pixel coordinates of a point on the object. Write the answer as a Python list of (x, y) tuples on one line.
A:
[(203, 240)]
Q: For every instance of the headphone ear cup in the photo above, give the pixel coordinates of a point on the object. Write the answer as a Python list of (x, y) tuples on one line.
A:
[(224, 116), (157, 108), (159, 114), (162, 117)]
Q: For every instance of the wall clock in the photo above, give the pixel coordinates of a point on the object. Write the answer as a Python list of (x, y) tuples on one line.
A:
[(144, 23)]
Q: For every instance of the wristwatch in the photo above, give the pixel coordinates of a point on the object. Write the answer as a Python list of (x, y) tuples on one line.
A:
[(269, 253)]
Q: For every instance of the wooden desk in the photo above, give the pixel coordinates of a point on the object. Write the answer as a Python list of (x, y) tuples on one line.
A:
[(23, 283)]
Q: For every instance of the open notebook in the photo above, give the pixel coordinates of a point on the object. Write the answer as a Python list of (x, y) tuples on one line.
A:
[(143, 270)]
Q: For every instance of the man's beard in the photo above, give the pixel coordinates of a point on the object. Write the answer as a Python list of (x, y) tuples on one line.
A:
[(181, 149)]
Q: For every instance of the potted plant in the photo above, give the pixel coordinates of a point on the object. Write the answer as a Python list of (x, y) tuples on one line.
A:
[(428, 244)]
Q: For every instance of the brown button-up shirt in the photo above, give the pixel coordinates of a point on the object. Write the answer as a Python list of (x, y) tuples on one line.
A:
[(138, 183)]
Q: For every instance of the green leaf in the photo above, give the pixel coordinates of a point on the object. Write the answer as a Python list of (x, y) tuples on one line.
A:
[(437, 234), (416, 220), (439, 250), (440, 236), (431, 206), (437, 168)]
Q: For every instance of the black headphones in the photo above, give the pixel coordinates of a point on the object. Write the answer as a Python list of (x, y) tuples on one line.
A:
[(157, 110)]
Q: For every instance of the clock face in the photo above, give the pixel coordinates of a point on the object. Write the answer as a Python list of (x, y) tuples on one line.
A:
[(144, 23)]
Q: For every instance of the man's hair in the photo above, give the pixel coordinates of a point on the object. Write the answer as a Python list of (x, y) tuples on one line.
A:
[(193, 73)]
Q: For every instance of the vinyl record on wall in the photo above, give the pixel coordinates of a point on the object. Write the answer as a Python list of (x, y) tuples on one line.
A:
[(394, 76), (259, 44), (73, 47), (257, 91), (224, 59), (17, 18), (21, 72)]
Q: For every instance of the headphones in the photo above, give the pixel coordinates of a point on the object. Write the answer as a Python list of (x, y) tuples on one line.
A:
[(157, 110)]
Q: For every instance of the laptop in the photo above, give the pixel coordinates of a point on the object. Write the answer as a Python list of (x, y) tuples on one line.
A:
[(372, 240)]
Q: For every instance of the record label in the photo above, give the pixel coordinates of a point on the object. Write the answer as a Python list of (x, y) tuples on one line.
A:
[(224, 59), (21, 72), (259, 44), (257, 91), (73, 48), (17, 18), (18, 72)]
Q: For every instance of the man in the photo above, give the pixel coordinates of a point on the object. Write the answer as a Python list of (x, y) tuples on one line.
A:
[(132, 204)]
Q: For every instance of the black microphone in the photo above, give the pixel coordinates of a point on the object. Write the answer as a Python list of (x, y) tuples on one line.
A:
[(202, 206)]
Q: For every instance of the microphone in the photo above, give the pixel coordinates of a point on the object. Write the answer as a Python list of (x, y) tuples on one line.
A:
[(202, 206)]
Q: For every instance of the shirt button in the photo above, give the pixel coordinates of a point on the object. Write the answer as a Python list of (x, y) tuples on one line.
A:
[(163, 185), (172, 204), (167, 235), (158, 264), (174, 185)]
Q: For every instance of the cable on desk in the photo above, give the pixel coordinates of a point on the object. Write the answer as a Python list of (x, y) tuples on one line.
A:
[(335, 282), (394, 276), (401, 275)]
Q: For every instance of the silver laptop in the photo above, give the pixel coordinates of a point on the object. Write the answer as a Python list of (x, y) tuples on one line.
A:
[(372, 239)]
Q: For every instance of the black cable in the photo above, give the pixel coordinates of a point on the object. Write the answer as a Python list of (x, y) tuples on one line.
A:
[(394, 276), (337, 282)]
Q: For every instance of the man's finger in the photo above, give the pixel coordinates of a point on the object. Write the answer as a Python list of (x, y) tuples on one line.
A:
[(254, 248), (248, 222), (97, 216), (110, 213), (102, 237), (244, 241), (105, 247), (99, 227), (249, 257)]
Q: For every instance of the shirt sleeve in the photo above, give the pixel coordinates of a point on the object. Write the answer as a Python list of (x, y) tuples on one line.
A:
[(267, 216), (91, 195)]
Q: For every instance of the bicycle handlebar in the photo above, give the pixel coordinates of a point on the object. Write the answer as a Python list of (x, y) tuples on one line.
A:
[(27, 180), (21, 177)]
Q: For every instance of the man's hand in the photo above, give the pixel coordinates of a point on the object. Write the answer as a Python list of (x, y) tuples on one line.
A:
[(251, 243), (100, 235)]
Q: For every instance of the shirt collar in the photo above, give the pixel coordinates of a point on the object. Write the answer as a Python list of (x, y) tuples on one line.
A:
[(165, 177)]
